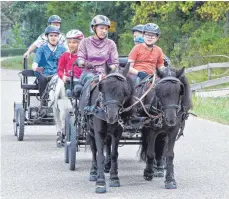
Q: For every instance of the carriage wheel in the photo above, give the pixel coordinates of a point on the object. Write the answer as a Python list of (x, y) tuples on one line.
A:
[(15, 123), (20, 121), (67, 138), (73, 143)]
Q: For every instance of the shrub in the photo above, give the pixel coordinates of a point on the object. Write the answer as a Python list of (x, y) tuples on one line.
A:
[(12, 52)]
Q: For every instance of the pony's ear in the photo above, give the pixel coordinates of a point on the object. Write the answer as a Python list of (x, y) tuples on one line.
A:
[(107, 69), (126, 69), (101, 86), (180, 73), (160, 73)]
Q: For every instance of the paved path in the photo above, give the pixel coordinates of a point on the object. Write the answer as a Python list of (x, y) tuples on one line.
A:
[(35, 169)]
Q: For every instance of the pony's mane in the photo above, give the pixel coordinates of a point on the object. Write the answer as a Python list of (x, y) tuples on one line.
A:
[(115, 86)]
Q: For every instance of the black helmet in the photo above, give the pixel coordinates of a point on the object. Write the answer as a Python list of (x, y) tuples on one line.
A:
[(51, 29), (138, 28), (152, 28), (54, 19)]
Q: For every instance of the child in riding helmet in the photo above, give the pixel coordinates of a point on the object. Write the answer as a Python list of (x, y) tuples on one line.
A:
[(96, 50), (146, 57), (53, 20), (47, 56), (137, 34), (68, 58)]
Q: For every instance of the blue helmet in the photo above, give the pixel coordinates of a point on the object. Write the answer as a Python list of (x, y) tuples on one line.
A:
[(54, 19), (51, 29), (152, 28), (138, 28), (139, 39)]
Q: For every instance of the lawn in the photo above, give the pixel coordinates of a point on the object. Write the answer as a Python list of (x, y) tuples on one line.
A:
[(16, 62), (214, 109)]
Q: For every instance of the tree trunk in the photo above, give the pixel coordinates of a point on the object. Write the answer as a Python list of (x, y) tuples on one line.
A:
[(226, 26)]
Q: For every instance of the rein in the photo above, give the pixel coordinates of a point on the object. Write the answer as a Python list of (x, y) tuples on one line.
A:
[(139, 100)]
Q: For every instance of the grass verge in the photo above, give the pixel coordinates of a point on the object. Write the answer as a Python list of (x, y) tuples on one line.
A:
[(15, 62), (214, 109)]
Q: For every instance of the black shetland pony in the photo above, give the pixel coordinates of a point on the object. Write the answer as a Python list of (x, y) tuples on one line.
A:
[(171, 99), (110, 95)]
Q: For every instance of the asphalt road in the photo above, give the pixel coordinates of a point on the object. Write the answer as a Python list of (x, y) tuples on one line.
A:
[(35, 168)]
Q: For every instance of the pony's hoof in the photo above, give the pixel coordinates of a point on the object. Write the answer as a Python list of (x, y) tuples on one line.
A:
[(100, 189), (148, 175), (93, 178), (114, 183), (148, 178), (170, 185), (59, 144)]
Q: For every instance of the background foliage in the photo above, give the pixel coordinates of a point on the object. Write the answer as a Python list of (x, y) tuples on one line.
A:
[(190, 29)]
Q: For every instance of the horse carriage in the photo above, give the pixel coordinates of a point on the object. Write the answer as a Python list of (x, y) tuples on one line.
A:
[(33, 110), (102, 115)]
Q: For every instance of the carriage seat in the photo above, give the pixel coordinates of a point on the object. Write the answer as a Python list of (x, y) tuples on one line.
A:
[(24, 80), (123, 61)]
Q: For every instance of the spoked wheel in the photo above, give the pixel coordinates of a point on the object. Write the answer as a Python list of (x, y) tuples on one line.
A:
[(15, 123), (20, 123), (72, 144), (67, 138)]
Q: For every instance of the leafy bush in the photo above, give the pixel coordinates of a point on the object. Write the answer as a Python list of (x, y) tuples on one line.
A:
[(6, 46), (12, 52)]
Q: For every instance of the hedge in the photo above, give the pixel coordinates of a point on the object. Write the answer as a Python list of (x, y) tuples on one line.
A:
[(12, 52)]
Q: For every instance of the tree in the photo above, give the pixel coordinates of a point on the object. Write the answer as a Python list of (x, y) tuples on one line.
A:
[(33, 17)]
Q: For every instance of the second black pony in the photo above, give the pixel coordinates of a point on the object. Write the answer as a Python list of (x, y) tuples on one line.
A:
[(168, 103)]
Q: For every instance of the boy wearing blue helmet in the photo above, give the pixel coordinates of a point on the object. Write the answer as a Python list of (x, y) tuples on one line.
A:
[(47, 56)]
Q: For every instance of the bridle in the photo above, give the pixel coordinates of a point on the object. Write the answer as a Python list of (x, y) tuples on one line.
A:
[(169, 106), (103, 102)]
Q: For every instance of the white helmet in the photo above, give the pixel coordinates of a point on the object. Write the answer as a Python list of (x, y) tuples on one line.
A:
[(75, 34), (100, 20)]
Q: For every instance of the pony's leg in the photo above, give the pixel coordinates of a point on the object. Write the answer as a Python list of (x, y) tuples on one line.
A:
[(170, 182), (114, 179), (159, 151), (93, 171), (99, 140), (107, 166), (150, 156)]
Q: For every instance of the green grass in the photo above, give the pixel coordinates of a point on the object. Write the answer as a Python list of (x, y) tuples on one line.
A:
[(214, 109), (16, 62)]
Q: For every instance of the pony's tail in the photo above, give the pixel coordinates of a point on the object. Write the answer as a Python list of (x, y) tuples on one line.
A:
[(144, 145)]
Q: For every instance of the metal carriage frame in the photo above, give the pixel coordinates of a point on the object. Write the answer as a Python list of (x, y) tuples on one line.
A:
[(24, 113)]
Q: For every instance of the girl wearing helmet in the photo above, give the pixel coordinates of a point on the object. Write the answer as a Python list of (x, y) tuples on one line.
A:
[(96, 50), (68, 58), (65, 64)]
